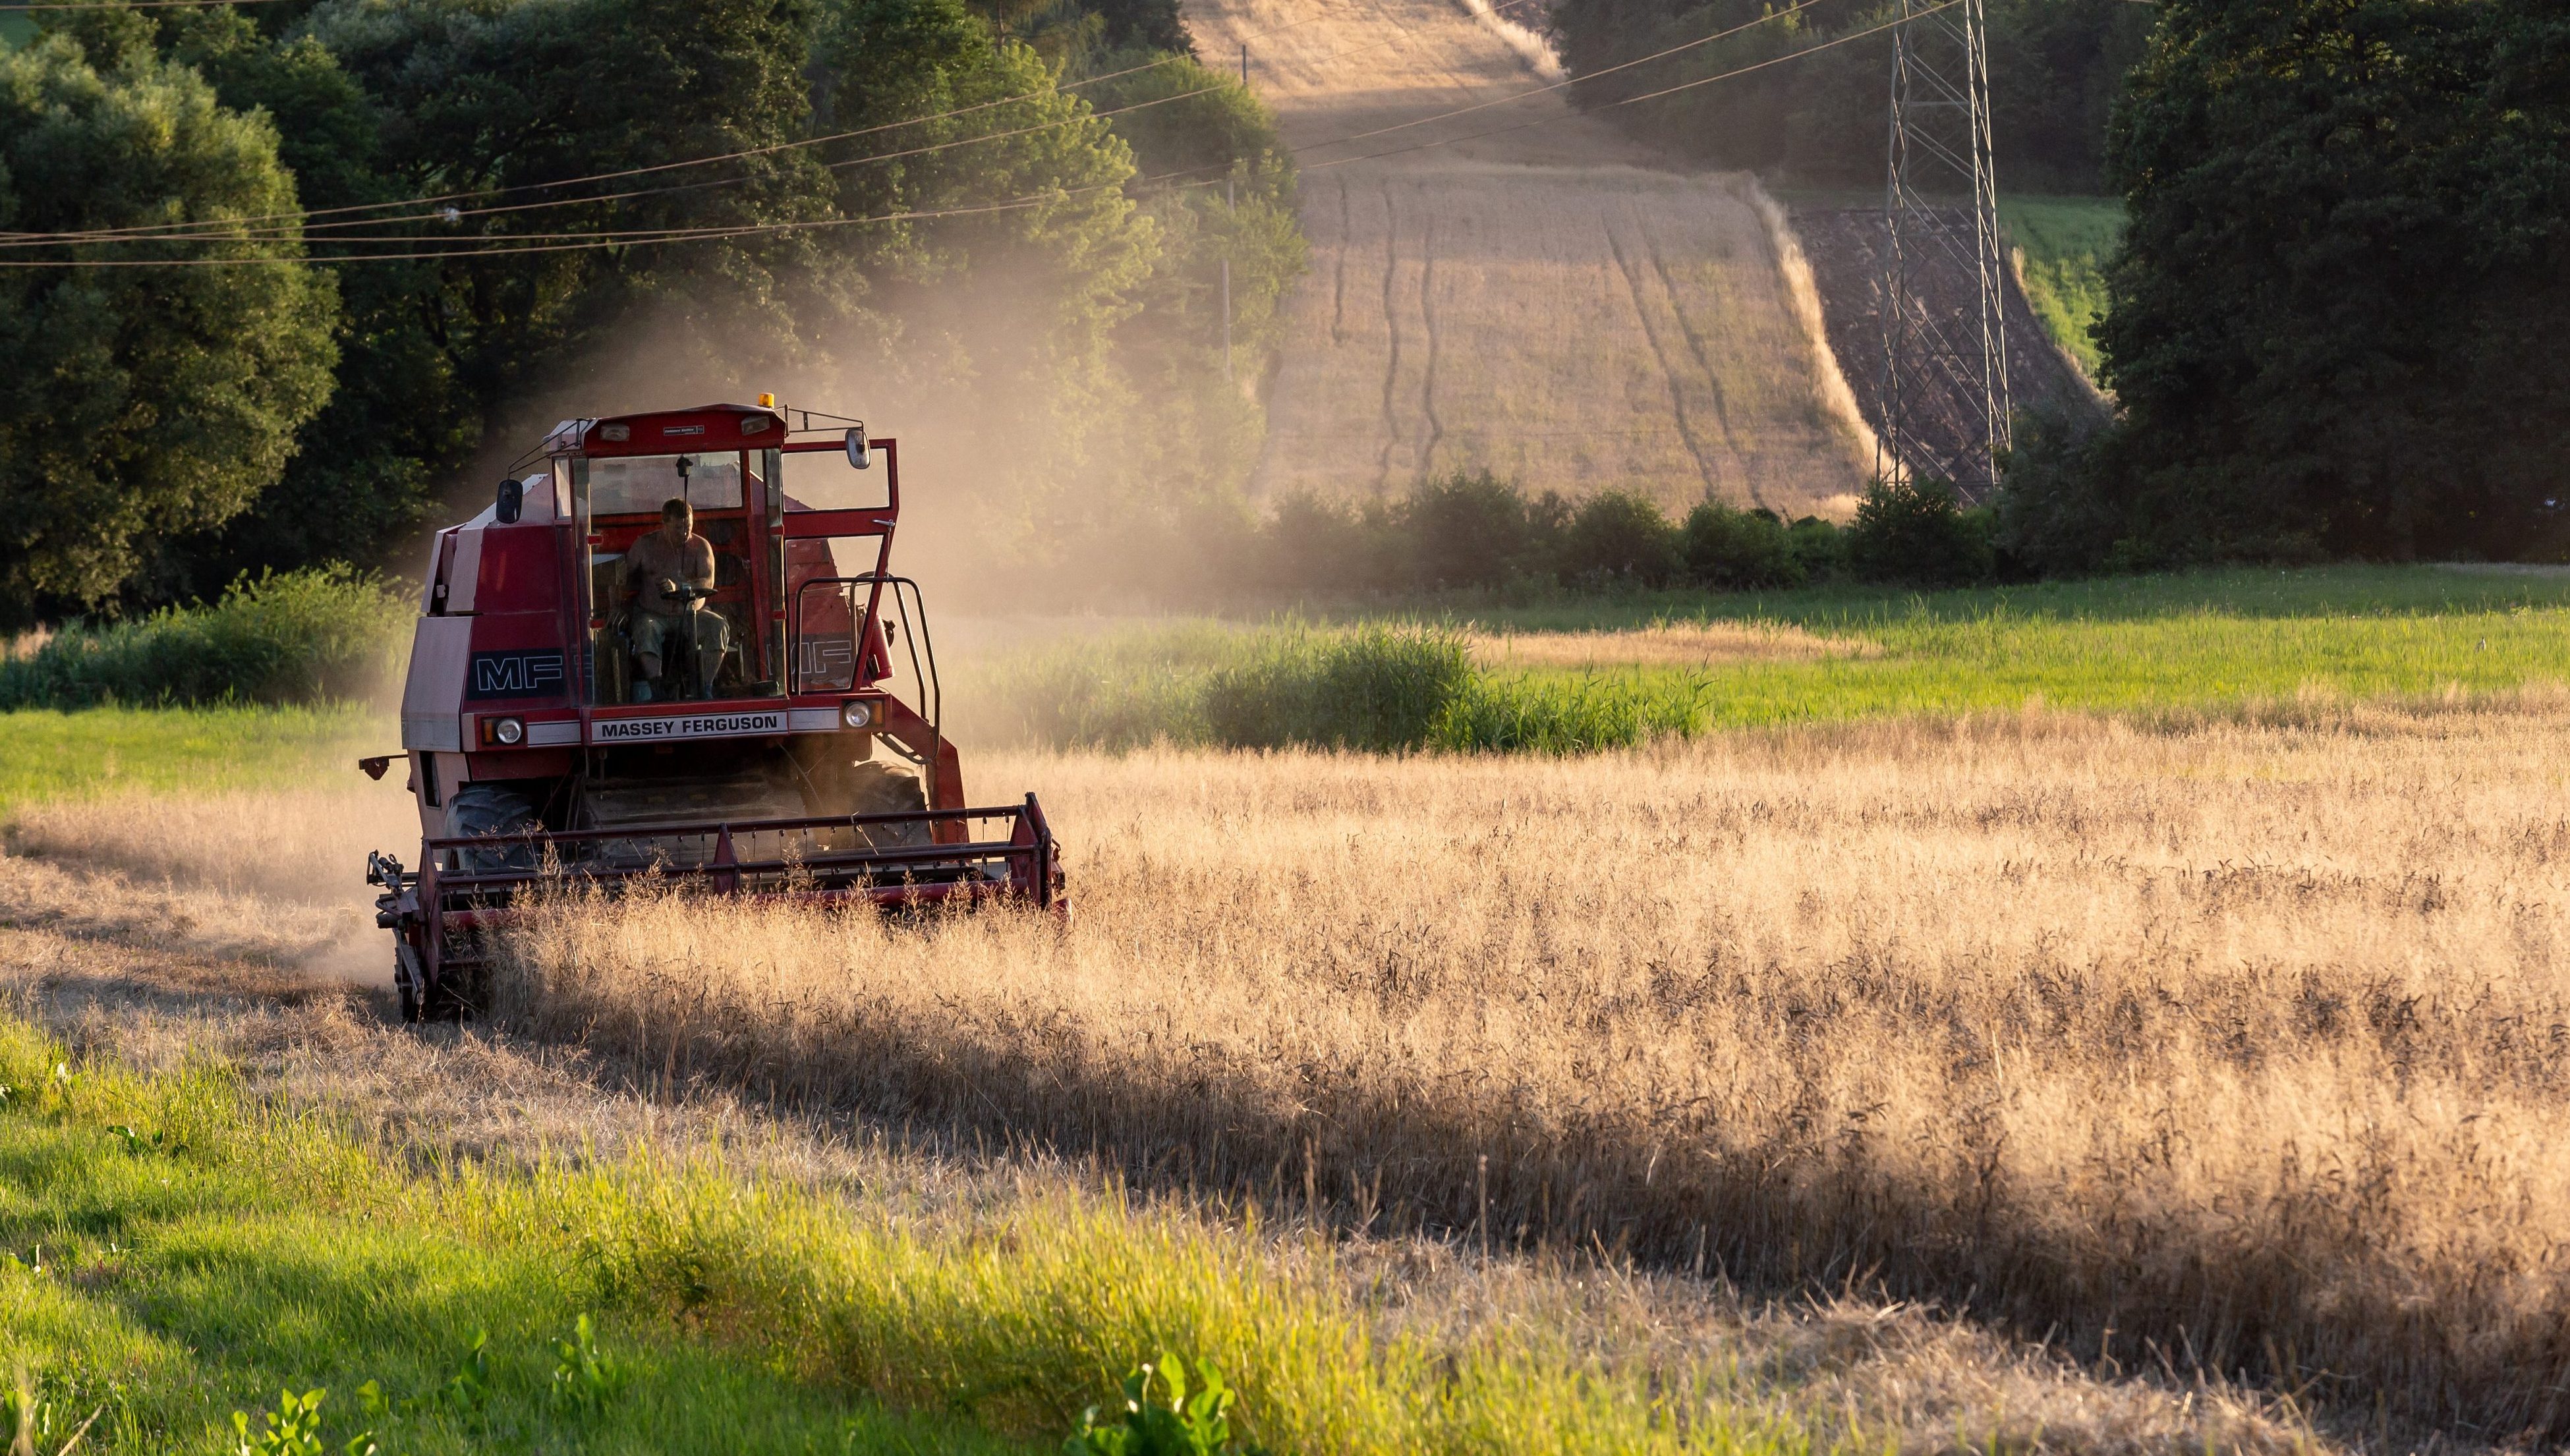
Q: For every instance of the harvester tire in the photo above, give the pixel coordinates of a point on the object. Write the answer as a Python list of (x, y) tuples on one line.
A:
[(875, 788), (405, 989), (479, 809)]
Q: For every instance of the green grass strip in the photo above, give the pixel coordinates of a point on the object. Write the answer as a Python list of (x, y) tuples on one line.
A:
[(218, 1251), (2217, 642), (45, 754)]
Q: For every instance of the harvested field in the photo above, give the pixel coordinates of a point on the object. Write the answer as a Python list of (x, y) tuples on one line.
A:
[(1545, 305), (2225, 1049)]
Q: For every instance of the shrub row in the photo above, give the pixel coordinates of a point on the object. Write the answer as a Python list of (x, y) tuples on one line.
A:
[(306, 636), (1376, 688), (1479, 531)]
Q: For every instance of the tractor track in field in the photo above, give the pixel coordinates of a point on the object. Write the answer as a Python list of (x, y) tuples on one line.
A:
[(1713, 392), (1392, 351), (1339, 270), (1428, 375), (1660, 353)]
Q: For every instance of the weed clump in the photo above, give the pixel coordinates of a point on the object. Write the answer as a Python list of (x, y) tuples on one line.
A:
[(1377, 688)]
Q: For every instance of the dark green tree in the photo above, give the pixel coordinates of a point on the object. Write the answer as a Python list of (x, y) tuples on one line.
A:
[(399, 418), (141, 402), (1739, 549), (1915, 534), (2340, 322), (1619, 537)]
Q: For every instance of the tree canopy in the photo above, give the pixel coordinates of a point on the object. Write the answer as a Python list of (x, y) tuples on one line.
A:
[(143, 401), (519, 202), (2340, 321)]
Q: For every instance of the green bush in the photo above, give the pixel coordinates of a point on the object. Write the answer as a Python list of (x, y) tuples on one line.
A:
[(1619, 537), (1739, 549), (1379, 688), (1479, 532), (1917, 534), (1466, 530), (1311, 544), (311, 636), (1819, 546)]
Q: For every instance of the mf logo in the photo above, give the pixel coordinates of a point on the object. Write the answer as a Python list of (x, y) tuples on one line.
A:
[(515, 675)]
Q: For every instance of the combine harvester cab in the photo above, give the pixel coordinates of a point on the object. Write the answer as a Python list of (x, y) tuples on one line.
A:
[(777, 753)]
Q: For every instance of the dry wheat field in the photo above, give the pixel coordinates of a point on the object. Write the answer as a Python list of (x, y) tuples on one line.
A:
[(150, 931), (2194, 1052), (2234, 1049)]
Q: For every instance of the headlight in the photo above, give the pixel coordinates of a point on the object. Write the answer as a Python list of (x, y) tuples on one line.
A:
[(858, 714), (508, 731)]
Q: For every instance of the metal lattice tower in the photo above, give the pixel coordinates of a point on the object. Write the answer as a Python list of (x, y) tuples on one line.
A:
[(1944, 368)]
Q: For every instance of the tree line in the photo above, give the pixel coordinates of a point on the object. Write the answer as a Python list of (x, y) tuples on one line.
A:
[(323, 352), (2339, 322)]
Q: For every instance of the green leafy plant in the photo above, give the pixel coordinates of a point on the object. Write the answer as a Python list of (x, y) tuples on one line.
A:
[(585, 1379), (1160, 1416), (467, 1391), (139, 1142), (468, 1388), (294, 1429)]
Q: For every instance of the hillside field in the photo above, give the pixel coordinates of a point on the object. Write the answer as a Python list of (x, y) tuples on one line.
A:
[(2062, 246)]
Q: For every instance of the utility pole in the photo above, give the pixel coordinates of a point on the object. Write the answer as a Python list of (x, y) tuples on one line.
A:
[(1941, 210), (1231, 213)]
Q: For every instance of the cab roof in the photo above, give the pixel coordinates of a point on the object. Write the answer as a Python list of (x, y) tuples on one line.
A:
[(670, 432)]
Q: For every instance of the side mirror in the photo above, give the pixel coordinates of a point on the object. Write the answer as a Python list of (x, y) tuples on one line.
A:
[(857, 446), (511, 503)]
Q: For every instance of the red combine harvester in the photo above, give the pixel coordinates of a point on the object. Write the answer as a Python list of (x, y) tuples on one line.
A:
[(600, 692)]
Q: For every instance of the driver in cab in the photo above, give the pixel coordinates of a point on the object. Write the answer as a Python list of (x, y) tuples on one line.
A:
[(668, 572)]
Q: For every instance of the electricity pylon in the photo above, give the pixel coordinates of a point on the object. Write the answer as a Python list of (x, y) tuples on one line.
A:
[(1942, 207)]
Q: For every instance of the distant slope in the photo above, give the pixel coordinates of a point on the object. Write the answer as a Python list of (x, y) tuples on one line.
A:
[(2062, 244), (1539, 303)]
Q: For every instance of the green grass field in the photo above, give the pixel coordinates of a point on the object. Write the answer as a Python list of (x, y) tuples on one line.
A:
[(176, 1251), (46, 754), (2066, 242), (2194, 642), (2218, 641)]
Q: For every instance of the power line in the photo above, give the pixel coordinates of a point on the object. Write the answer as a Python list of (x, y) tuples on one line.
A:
[(287, 230), (591, 241), (644, 238), (182, 228), (211, 229), (130, 4)]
